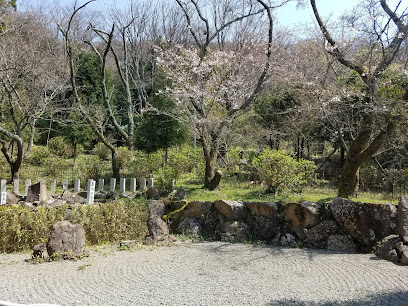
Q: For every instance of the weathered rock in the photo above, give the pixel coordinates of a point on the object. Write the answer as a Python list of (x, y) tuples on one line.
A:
[(152, 193), (12, 198), (232, 209), (157, 227), (180, 193), (288, 240), (341, 243), (66, 238), (101, 195), (213, 223), (71, 198), (367, 223), (317, 236), (305, 214), (197, 208), (263, 208), (40, 251), (55, 202), (265, 228), (215, 181), (190, 226), (37, 192), (404, 258), (156, 208), (400, 247), (126, 195), (402, 218), (235, 231), (82, 194), (387, 249)]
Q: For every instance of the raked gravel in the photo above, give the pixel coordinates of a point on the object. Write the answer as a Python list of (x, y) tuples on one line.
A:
[(209, 273)]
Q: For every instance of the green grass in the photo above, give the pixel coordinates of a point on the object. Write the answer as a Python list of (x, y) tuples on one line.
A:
[(246, 192)]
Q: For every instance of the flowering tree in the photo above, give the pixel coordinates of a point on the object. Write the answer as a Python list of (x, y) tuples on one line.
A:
[(380, 115), (217, 85)]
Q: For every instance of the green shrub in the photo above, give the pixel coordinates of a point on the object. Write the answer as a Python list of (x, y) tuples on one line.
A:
[(165, 177), (102, 151), (144, 165), (89, 167), (37, 155), (282, 172), (58, 146), (21, 227), (181, 160), (124, 157), (55, 166)]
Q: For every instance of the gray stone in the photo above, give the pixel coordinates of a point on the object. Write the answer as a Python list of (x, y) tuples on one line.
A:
[(235, 231), (143, 185), (341, 243), (156, 208), (37, 192), (53, 187), (402, 218), (77, 185), (12, 198), (157, 227), (404, 258), (263, 208), (387, 249), (288, 240), (71, 198), (112, 184), (365, 222), (317, 236), (400, 247), (231, 209), (132, 188), (40, 252), (190, 226), (66, 239), (152, 193)]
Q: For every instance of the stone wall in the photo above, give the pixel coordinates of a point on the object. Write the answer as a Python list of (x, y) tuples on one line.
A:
[(342, 225)]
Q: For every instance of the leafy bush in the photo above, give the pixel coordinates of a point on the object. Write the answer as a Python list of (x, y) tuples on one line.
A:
[(124, 157), (282, 172), (89, 167), (102, 151), (165, 177), (143, 164), (58, 146), (21, 227), (55, 166), (37, 155), (181, 160)]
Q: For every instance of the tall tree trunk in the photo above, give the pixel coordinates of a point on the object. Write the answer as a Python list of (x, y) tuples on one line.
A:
[(115, 169)]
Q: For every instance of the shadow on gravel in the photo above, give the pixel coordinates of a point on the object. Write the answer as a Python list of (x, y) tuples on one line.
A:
[(397, 298)]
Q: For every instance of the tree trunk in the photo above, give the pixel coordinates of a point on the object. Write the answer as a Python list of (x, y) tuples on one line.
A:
[(349, 178), (115, 169)]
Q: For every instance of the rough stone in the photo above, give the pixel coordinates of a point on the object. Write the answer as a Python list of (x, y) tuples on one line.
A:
[(402, 218), (213, 223), (366, 223), (232, 209), (40, 251), (156, 208), (37, 192), (101, 195), (400, 247), (190, 226), (66, 238), (12, 198), (157, 227), (235, 231), (317, 236), (341, 243), (263, 208), (304, 215), (387, 249), (265, 228), (152, 193), (197, 208), (288, 240), (180, 193), (404, 258), (71, 198)]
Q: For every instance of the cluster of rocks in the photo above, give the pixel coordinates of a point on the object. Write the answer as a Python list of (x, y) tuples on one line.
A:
[(342, 225)]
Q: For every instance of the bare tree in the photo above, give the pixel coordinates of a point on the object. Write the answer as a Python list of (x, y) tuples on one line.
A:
[(30, 79), (378, 119)]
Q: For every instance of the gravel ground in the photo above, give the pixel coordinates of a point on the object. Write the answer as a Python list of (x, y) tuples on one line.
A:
[(211, 273)]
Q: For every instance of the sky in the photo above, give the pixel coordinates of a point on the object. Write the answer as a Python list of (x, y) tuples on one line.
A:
[(288, 15)]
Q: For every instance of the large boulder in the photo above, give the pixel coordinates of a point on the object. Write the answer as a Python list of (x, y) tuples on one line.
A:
[(156, 208), (190, 226), (388, 248), (72, 198), (402, 219), (366, 223), (66, 239), (263, 208), (157, 228), (317, 236), (197, 208), (341, 243), (232, 209), (265, 227), (235, 231), (302, 215), (12, 198)]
